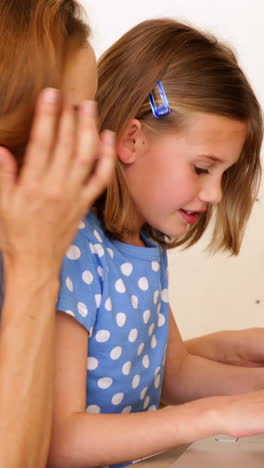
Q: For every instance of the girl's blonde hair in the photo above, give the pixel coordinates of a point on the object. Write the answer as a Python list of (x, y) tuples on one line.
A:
[(37, 39), (199, 73)]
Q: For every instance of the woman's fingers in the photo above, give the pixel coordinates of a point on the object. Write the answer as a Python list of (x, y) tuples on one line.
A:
[(87, 147), (42, 135), (8, 172), (104, 169), (64, 148)]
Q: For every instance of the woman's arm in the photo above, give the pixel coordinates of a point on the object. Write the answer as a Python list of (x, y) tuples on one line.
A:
[(82, 440), (26, 370), (39, 214)]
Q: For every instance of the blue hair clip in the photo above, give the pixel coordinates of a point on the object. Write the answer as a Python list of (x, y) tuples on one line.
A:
[(160, 111)]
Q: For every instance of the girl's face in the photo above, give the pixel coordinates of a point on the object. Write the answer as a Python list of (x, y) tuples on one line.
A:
[(174, 177)]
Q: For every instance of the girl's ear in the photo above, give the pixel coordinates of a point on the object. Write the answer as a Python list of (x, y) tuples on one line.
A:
[(130, 142)]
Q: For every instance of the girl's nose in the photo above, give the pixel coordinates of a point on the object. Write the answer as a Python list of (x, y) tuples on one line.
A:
[(211, 191)]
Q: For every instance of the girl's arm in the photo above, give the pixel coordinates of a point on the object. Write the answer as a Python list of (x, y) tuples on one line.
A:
[(198, 377), (82, 440), (236, 347), (39, 214)]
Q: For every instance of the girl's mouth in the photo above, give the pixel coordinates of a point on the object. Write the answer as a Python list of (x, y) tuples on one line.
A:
[(190, 217)]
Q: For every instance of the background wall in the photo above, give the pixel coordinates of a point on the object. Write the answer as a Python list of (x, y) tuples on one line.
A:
[(207, 293)]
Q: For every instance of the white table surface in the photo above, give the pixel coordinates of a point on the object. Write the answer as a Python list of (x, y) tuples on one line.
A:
[(166, 459)]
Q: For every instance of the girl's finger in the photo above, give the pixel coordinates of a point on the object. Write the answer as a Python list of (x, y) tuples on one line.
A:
[(8, 172), (104, 169), (42, 135), (87, 143)]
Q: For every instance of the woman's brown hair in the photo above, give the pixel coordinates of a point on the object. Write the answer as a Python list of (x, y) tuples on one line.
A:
[(36, 37), (199, 73)]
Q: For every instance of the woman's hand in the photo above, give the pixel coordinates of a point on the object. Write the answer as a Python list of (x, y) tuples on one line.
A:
[(239, 348), (67, 165)]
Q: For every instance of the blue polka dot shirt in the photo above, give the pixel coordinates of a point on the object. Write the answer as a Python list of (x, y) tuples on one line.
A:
[(119, 293)]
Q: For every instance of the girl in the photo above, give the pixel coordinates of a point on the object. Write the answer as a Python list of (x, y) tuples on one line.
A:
[(189, 133), (43, 44)]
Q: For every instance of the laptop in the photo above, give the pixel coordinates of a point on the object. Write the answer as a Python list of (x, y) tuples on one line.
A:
[(223, 452)]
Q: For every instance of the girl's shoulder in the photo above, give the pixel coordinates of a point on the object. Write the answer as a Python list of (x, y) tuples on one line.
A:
[(92, 228)]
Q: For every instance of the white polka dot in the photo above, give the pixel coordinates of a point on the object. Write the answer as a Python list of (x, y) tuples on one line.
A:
[(165, 295), (136, 381), (127, 269), (121, 319), (157, 381), (94, 409), (105, 383), (118, 398), (70, 312), (116, 353), (87, 277), (145, 361), (73, 253), (120, 286), (154, 342), (100, 272), (82, 309), (111, 253), (69, 284), (99, 250), (133, 335), (146, 402), (161, 321), (143, 284), (140, 349), (92, 363), (97, 235), (91, 248), (152, 408), (159, 307), (108, 304), (157, 371), (127, 368), (155, 266), (146, 316), (102, 336), (134, 302), (156, 297), (98, 300), (127, 409), (143, 393), (82, 225), (151, 329)]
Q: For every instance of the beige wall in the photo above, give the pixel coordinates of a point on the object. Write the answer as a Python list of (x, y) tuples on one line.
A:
[(207, 293)]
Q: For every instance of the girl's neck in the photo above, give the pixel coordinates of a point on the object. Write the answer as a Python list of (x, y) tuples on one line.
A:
[(133, 239)]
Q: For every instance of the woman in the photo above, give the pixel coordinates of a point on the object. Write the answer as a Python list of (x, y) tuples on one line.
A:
[(44, 192)]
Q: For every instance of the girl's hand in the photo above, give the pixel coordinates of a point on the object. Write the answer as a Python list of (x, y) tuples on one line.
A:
[(67, 165), (243, 415), (235, 347)]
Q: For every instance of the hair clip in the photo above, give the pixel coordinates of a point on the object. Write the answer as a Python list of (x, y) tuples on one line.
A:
[(160, 111)]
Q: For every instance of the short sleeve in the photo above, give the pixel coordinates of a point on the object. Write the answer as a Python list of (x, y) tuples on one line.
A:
[(80, 283)]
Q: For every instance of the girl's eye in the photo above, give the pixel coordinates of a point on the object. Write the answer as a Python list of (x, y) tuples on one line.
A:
[(200, 170)]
